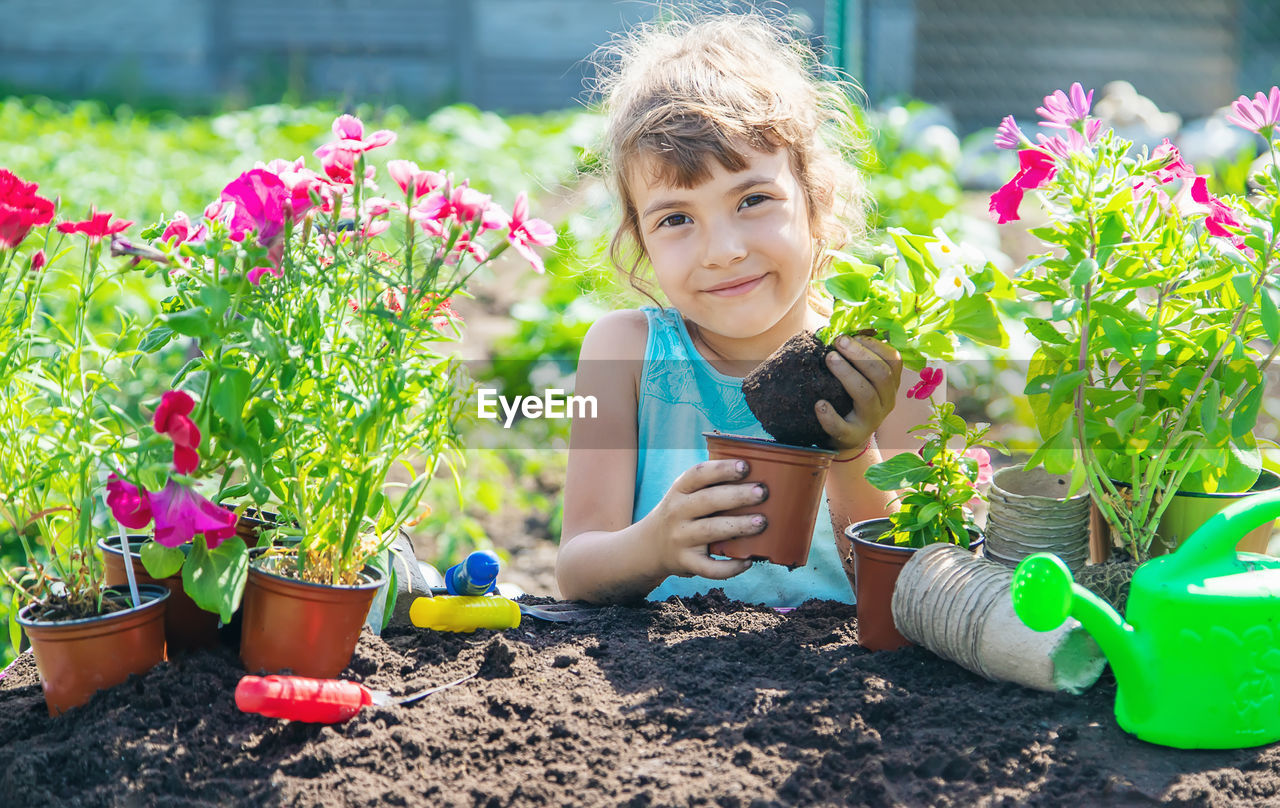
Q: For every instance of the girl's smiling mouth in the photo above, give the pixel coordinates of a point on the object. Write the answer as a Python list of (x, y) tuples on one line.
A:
[(738, 286)]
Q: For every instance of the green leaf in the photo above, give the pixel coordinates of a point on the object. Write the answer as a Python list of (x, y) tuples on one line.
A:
[(161, 561), (189, 322), (1246, 416), (1118, 336), (1084, 272), (975, 317), (850, 286), (900, 471), (1243, 284), (155, 339), (1210, 401), (215, 578), (1064, 387), (216, 299), (1270, 317), (1044, 331)]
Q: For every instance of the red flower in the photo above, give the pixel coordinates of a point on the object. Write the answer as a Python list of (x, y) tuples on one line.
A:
[(525, 232), (38, 260), (171, 419), (97, 227), (930, 378), (20, 209)]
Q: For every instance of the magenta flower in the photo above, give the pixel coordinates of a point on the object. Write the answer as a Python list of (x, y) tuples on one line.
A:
[(1061, 111), (930, 378), (464, 204), (171, 419), (38, 260), (1259, 115), (1037, 168), (129, 504), (415, 182), (259, 198), (180, 513), (97, 227), (1008, 135), (526, 232)]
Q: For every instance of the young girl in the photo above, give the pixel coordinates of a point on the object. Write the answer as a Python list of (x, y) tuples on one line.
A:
[(731, 193)]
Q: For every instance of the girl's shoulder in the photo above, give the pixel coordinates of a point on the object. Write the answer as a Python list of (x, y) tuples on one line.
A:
[(618, 335)]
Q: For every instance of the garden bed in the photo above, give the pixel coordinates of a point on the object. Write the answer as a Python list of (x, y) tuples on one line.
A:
[(700, 702)]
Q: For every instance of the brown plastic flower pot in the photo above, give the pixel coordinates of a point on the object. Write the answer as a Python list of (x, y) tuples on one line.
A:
[(187, 627), (297, 626), (794, 477), (873, 569), (77, 658)]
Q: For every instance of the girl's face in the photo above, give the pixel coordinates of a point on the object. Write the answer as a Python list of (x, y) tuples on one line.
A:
[(732, 254)]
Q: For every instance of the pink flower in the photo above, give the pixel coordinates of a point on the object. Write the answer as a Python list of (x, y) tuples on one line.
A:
[(983, 457), (129, 505), (526, 232), (38, 260), (1073, 141), (930, 378), (1259, 115), (171, 418), (350, 132), (464, 244), (174, 405), (20, 209), (1008, 135), (1061, 111), (1037, 168), (179, 231), (415, 182), (96, 227), (464, 204), (180, 513)]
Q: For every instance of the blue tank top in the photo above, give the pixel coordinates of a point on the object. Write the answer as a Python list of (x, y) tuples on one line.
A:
[(681, 396)]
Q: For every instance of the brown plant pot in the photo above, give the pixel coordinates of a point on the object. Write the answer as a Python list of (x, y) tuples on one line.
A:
[(873, 569), (77, 658), (187, 627), (1188, 511), (308, 629), (794, 477)]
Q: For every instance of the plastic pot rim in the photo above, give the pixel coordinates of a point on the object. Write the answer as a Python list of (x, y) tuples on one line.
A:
[(149, 594)]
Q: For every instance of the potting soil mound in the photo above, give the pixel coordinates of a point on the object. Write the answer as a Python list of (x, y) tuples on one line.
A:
[(700, 702)]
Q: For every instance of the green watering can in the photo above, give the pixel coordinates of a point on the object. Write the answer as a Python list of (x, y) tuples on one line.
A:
[(1197, 662)]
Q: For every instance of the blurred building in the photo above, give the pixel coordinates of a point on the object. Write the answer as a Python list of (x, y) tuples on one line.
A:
[(981, 58)]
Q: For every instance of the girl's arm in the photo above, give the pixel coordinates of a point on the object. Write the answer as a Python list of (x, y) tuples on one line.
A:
[(603, 557)]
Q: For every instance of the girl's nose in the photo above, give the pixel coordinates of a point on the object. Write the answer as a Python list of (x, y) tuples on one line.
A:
[(724, 246)]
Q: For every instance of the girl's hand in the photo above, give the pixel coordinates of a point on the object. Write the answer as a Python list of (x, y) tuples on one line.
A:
[(684, 522), (870, 372)]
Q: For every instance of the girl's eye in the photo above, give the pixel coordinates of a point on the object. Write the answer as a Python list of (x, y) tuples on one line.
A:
[(674, 220), (752, 200)]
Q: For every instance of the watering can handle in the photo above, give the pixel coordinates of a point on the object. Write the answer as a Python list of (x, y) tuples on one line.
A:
[(1222, 532)]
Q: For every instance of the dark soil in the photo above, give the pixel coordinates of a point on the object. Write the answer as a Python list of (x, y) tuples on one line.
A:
[(701, 702), (784, 388)]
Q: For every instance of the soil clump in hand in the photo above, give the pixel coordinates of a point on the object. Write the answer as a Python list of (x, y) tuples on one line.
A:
[(783, 390)]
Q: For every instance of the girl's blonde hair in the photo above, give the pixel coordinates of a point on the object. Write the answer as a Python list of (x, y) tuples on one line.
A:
[(685, 89)]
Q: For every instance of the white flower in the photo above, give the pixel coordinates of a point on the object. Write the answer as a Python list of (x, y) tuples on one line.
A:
[(953, 283), (946, 254)]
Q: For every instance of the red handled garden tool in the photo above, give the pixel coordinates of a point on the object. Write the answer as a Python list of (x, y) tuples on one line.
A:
[(318, 701), (468, 613)]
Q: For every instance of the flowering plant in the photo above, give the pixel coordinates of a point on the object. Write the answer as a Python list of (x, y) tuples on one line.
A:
[(928, 292), (937, 483), (60, 376), (320, 310), (1149, 374)]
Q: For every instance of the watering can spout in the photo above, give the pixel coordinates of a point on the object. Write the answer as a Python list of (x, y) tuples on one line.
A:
[(1044, 595)]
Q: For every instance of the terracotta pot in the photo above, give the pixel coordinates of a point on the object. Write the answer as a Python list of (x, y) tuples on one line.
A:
[(1188, 511), (873, 569), (187, 627), (308, 629), (794, 477), (77, 658)]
